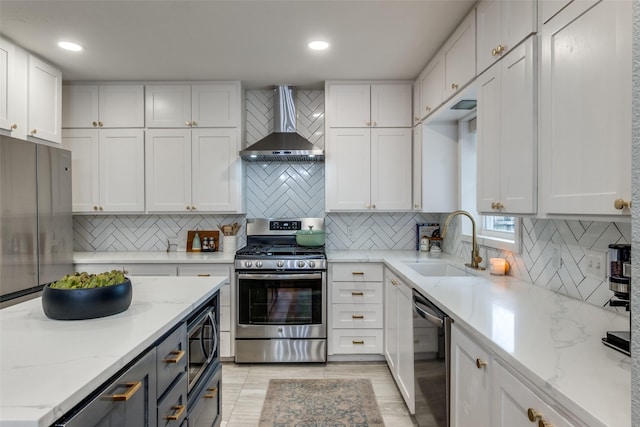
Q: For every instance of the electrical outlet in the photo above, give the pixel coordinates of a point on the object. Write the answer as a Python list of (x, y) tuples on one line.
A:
[(596, 264), (556, 256)]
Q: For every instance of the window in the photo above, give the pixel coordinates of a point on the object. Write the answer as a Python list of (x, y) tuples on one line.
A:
[(496, 231)]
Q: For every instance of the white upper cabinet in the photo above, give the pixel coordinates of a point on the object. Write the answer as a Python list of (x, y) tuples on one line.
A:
[(202, 105), (106, 169), (368, 169), (44, 101), (193, 170), (585, 110), (501, 26), (431, 82), (460, 56), (507, 133), (103, 106), (364, 105), (13, 87)]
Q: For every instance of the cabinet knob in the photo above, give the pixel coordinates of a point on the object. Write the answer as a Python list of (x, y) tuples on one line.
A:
[(100, 124), (188, 208), (95, 124), (194, 123), (100, 208), (621, 204), (428, 109), (497, 205), (480, 363), (373, 206), (543, 423), (193, 208), (95, 208), (188, 123), (416, 118), (533, 415), (454, 86), (497, 50), (34, 131), (416, 206), (14, 126), (368, 123), (374, 123)]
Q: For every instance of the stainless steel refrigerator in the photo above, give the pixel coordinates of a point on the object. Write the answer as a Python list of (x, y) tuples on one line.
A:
[(36, 226)]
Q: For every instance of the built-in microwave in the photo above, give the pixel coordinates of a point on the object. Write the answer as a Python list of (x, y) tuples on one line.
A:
[(203, 345)]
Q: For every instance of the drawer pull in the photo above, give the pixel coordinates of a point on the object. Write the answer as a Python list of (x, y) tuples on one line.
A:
[(357, 294), (357, 316), (179, 354), (480, 363), (179, 409), (358, 273), (131, 390), (357, 342), (212, 393), (204, 275)]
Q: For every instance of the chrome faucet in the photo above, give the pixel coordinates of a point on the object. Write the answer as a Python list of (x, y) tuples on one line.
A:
[(476, 259)]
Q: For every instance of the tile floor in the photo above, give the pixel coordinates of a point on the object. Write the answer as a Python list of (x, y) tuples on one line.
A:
[(244, 388)]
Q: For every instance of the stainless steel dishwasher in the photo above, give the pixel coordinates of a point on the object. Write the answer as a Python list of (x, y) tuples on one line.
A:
[(431, 335)]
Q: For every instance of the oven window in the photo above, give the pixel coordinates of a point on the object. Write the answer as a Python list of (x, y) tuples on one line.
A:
[(280, 301)]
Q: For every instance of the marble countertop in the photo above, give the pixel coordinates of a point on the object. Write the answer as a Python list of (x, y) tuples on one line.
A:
[(552, 340), (48, 366), (153, 257)]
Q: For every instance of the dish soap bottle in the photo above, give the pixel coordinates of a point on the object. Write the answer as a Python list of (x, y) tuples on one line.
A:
[(195, 245)]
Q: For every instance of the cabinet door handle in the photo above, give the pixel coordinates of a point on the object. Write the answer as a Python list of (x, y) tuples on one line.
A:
[(357, 294), (358, 273), (34, 131), (357, 342), (454, 86), (194, 123), (212, 393), (480, 363), (179, 354), (14, 126), (131, 390), (188, 208), (621, 204), (204, 275), (179, 409), (428, 109), (95, 124), (533, 415), (357, 316)]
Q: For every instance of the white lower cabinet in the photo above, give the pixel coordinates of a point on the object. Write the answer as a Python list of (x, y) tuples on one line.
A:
[(486, 392), (470, 381), (398, 332), (356, 313)]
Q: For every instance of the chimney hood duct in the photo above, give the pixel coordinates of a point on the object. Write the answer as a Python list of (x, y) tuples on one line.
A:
[(284, 144)]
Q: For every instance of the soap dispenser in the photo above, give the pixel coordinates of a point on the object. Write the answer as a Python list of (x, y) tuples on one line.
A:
[(195, 245)]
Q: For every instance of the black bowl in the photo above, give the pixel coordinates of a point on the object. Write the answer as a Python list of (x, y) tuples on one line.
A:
[(76, 304)]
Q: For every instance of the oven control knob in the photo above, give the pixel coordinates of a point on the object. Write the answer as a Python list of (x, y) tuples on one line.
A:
[(258, 264), (247, 264), (280, 264), (312, 264), (300, 264)]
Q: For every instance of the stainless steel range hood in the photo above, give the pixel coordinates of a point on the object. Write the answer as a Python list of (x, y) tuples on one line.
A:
[(284, 144)]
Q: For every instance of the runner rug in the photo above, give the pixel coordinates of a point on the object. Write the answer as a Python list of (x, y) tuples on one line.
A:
[(320, 403)]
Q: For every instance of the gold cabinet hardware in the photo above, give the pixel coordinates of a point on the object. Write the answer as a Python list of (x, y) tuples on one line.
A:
[(193, 208), (416, 206), (368, 122), (357, 342), (188, 123), (374, 123), (357, 316), (358, 273), (100, 124), (194, 123), (212, 391), (95, 208), (100, 208), (621, 204), (34, 131), (543, 423), (204, 275), (480, 363), (454, 86), (125, 271), (14, 126), (416, 118), (179, 409), (179, 354), (394, 282), (497, 205), (188, 208), (95, 124), (428, 109), (357, 294), (533, 415), (373, 206), (131, 390), (497, 50)]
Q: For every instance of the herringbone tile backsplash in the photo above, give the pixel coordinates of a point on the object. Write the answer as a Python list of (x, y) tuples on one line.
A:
[(294, 190)]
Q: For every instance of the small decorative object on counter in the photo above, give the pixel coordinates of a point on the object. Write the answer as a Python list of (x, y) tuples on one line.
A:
[(196, 245), (428, 230), (498, 266), (424, 244)]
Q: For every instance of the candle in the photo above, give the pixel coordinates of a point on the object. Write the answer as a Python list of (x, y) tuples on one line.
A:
[(498, 266)]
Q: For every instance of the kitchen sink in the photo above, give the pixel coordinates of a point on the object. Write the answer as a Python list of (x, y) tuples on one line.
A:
[(437, 269)]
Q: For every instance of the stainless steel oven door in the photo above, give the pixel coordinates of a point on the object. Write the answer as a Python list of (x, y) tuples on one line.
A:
[(281, 305), (203, 345)]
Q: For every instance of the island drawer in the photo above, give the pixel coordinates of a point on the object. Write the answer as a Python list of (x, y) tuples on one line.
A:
[(172, 408), (172, 358)]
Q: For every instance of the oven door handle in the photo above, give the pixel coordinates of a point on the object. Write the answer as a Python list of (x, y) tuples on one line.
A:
[(292, 276), (214, 335)]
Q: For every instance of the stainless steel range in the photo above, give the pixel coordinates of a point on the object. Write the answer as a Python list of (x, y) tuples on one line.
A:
[(281, 294)]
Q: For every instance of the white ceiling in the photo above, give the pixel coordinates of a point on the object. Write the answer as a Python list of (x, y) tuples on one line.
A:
[(260, 42)]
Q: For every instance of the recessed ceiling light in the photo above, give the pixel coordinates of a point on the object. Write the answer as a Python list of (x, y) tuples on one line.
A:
[(318, 45), (75, 47)]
